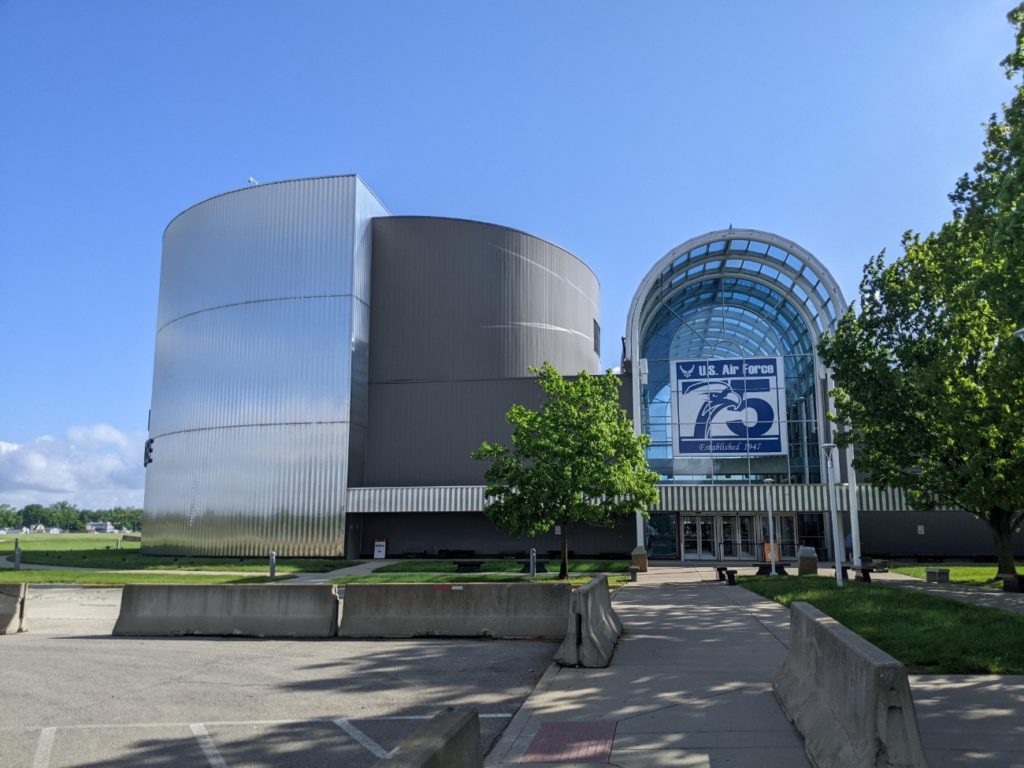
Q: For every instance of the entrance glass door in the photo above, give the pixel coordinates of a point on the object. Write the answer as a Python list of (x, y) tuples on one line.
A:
[(699, 537), (662, 537), (785, 534), (738, 542)]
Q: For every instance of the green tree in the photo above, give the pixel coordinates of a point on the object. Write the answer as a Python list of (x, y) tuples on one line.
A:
[(9, 517), (576, 459), (33, 514), (929, 376), (64, 515), (125, 517)]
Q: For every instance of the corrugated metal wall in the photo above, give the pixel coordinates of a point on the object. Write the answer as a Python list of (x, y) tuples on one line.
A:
[(672, 498), (460, 311), (261, 368)]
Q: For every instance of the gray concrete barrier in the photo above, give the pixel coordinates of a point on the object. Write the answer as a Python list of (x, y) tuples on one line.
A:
[(849, 699), (449, 740), (251, 610), (504, 610), (13, 604), (594, 627)]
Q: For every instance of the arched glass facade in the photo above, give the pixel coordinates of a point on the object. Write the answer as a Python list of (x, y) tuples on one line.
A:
[(721, 339)]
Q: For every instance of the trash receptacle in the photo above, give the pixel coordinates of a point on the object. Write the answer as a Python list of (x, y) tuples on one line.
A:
[(807, 562)]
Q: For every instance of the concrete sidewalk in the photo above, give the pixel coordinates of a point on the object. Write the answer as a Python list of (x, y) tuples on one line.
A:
[(1011, 602), (689, 685)]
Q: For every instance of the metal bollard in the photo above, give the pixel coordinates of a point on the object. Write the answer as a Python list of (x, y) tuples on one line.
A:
[(273, 564), (634, 572), (17, 555), (533, 561)]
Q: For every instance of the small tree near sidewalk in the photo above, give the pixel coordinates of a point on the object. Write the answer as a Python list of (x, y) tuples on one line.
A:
[(576, 459)]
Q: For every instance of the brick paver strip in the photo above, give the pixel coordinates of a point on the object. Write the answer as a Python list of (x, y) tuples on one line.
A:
[(572, 742)]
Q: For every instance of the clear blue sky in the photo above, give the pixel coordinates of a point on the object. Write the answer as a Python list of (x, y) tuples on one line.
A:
[(617, 130)]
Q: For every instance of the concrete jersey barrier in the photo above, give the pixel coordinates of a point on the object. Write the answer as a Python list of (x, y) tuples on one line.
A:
[(850, 699), (13, 603), (503, 610), (449, 740), (594, 627), (252, 610)]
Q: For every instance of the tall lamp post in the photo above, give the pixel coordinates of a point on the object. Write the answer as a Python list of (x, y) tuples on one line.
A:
[(828, 448), (771, 525)]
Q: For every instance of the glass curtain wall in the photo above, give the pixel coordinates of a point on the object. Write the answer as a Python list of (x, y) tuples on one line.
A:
[(735, 299)]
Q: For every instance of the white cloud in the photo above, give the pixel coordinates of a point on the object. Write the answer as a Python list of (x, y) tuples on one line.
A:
[(93, 467)]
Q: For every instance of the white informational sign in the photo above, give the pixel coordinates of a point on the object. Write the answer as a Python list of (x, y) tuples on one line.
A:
[(380, 547), (729, 407)]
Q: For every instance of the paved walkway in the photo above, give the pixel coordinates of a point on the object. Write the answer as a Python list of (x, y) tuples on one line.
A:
[(1012, 602), (356, 570), (690, 685)]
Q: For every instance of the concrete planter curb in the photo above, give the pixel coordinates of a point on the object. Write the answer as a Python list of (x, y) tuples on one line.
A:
[(455, 610), (849, 699), (13, 605), (250, 610), (594, 627), (449, 740)]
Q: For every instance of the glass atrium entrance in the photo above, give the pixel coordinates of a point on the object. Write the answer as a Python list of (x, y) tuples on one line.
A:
[(718, 538)]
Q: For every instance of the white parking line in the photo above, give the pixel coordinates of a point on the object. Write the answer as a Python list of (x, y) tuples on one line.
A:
[(44, 748), (376, 749), (93, 726), (207, 745)]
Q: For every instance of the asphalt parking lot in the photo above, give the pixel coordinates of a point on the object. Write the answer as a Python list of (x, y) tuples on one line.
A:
[(72, 695)]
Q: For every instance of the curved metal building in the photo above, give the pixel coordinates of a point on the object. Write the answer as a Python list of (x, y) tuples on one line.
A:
[(306, 341), (461, 311), (325, 370), (259, 382)]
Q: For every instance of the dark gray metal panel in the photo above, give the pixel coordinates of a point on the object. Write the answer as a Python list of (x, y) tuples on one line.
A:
[(946, 534), (461, 300), (419, 534), (422, 433)]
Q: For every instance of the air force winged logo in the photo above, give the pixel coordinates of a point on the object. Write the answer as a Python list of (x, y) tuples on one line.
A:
[(728, 407)]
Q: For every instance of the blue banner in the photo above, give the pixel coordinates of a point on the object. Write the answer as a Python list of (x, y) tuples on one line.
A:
[(730, 406)]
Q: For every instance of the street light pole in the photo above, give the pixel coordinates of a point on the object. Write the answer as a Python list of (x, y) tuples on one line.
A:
[(828, 448), (771, 525)]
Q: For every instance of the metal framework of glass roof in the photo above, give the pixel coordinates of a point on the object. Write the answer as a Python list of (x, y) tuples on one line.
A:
[(730, 293)]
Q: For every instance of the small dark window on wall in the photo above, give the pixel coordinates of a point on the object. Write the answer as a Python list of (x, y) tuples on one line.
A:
[(597, 338)]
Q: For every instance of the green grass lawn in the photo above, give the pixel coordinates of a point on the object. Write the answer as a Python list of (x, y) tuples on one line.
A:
[(928, 634), (109, 579), (99, 551), (64, 542), (505, 566), (576, 579), (978, 575)]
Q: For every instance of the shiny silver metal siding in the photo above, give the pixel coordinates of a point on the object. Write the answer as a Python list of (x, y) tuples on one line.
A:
[(260, 374)]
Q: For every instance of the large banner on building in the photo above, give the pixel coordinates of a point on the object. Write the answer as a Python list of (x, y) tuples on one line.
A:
[(728, 407)]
